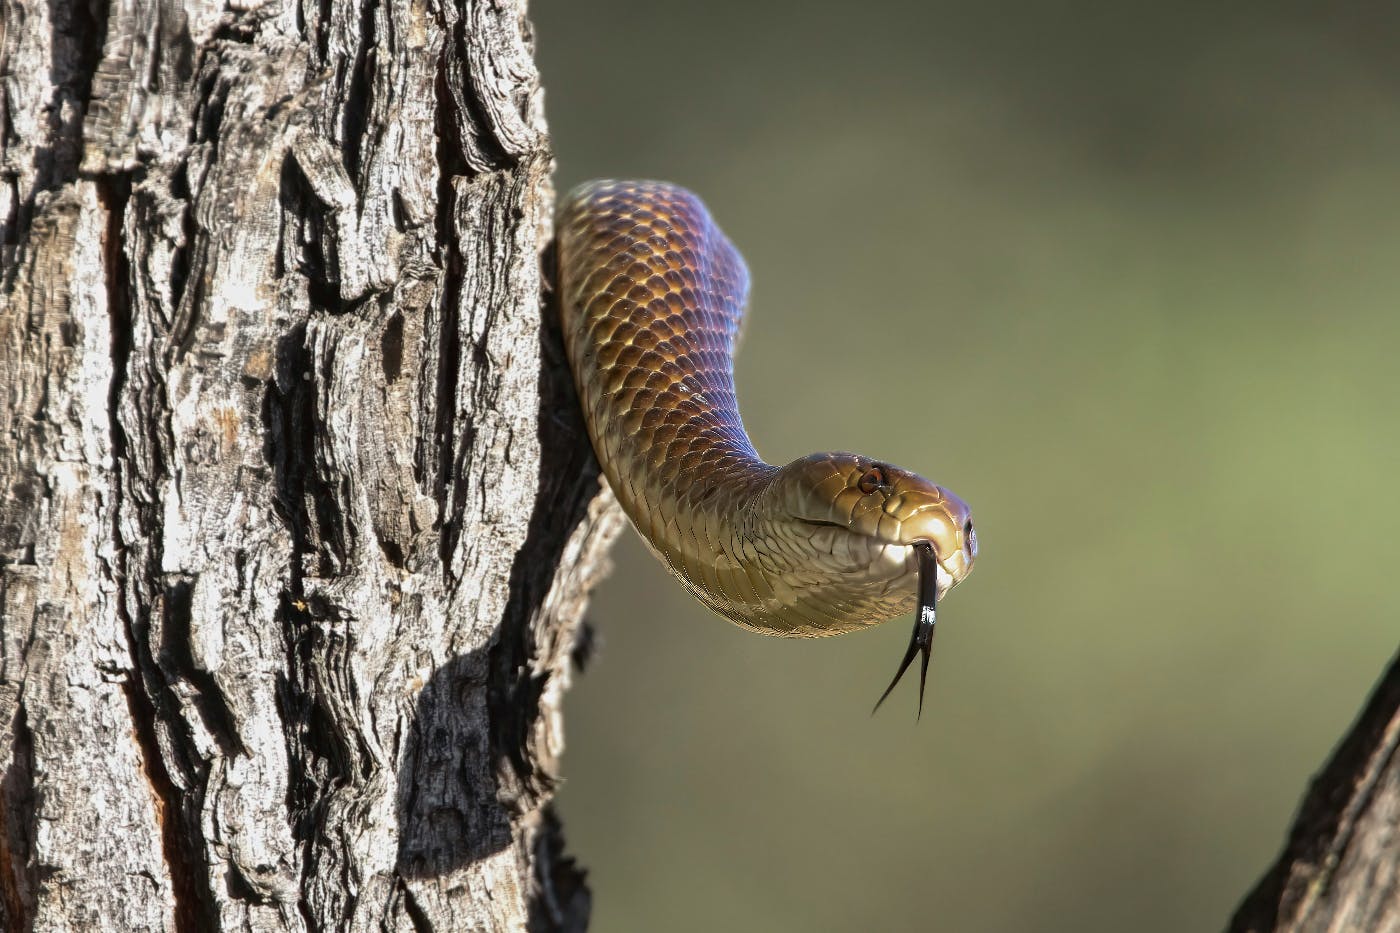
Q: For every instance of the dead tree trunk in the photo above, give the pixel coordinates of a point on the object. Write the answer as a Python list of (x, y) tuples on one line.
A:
[(296, 514), (1340, 869)]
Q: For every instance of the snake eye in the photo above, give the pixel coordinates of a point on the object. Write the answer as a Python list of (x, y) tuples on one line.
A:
[(873, 479)]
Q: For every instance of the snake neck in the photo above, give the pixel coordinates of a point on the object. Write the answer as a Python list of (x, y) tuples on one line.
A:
[(651, 300), (711, 520), (700, 503), (723, 522)]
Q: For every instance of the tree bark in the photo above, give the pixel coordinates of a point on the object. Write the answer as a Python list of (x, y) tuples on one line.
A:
[(297, 516), (1340, 870)]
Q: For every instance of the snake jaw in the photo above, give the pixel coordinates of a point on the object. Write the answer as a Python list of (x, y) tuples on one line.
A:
[(952, 571), (925, 619)]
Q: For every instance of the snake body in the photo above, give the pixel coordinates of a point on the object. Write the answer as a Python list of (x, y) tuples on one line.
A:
[(652, 295)]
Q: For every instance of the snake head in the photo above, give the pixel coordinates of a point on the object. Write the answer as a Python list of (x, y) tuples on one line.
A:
[(883, 504)]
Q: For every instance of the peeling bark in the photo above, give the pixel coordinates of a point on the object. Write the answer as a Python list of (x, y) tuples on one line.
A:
[(298, 518)]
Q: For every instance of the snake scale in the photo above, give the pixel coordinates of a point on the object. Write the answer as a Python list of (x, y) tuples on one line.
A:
[(652, 296)]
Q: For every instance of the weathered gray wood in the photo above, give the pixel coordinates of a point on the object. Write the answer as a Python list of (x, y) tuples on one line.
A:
[(1340, 870), (297, 518)]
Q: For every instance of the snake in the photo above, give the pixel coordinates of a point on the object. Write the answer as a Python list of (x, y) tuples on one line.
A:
[(651, 300)]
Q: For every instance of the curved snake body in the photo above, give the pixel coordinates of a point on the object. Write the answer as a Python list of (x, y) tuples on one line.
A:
[(652, 295)]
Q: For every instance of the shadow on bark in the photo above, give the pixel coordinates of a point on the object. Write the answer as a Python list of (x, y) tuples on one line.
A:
[(533, 644), (447, 819), (452, 814)]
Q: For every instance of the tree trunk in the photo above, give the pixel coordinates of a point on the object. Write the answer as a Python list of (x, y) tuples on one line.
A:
[(296, 512), (1340, 870)]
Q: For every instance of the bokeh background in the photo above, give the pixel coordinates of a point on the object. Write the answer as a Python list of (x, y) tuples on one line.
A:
[(1124, 276)]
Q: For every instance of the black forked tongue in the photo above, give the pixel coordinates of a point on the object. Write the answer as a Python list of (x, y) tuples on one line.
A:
[(922, 640)]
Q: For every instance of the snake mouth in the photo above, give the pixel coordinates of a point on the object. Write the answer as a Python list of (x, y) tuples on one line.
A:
[(820, 523), (950, 571)]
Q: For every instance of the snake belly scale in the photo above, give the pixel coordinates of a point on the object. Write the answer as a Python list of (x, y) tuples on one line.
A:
[(652, 295)]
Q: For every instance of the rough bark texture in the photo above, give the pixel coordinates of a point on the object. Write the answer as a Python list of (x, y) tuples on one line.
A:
[(1340, 870), (296, 512)]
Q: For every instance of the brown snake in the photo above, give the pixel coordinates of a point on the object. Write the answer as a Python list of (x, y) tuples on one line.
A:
[(652, 295)]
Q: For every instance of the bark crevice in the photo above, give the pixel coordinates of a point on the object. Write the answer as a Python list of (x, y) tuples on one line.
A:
[(192, 902), (17, 825), (448, 356)]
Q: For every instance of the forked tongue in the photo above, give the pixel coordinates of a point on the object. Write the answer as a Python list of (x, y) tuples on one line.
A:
[(922, 640)]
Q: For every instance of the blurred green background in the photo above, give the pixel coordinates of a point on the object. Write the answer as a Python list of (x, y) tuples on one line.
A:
[(1125, 277)]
